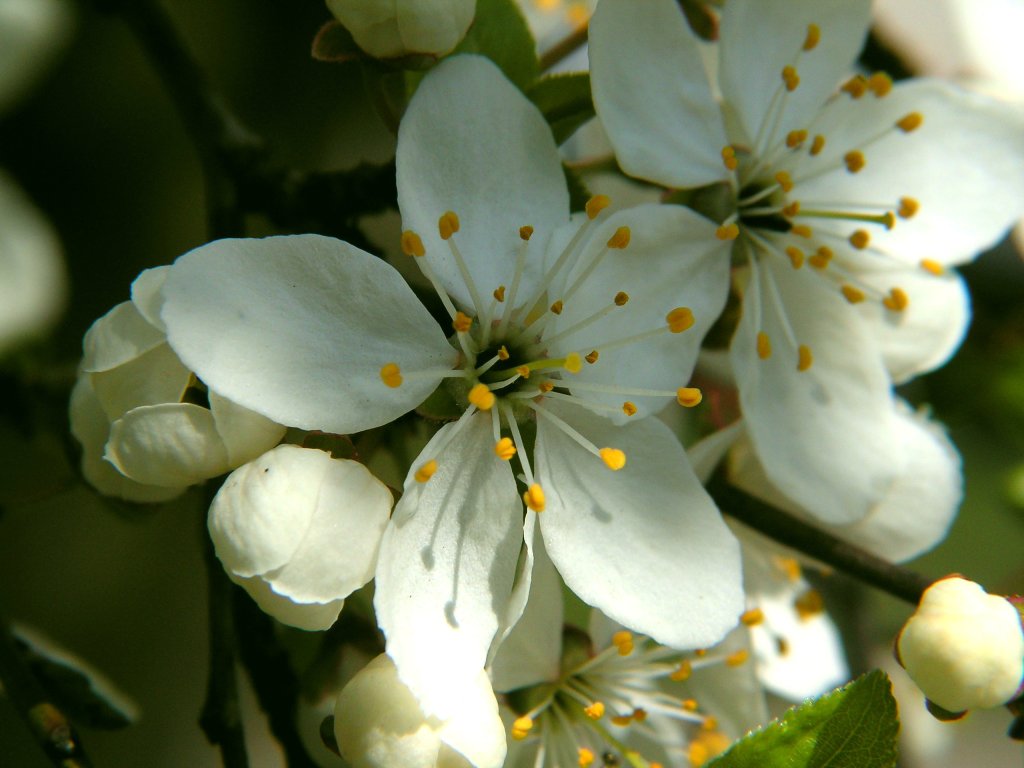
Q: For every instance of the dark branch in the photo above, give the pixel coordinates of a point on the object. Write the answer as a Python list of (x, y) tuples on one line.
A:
[(52, 731), (786, 529)]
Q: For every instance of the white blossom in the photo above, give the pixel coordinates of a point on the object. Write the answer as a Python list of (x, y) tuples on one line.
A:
[(387, 29)]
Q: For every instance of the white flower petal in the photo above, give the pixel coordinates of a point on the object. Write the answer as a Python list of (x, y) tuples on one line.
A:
[(246, 434), (673, 260), (706, 454), (31, 32), (651, 92), (154, 377), (471, 143), (522, 585), (824, 435), (757, 39), (120, 336), (446, 565), (312, 617), (476, 730), (171, 444), (297, 328), (645, 544), (964, 166), (148, 297), (401, 27)]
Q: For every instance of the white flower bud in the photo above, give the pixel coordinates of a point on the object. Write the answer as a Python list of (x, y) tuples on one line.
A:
[(963, 647), (379, 724), (387, 29), (141, 441), (299, 531)]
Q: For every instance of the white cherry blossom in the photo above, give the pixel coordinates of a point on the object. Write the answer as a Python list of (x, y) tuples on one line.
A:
[(387, 29)]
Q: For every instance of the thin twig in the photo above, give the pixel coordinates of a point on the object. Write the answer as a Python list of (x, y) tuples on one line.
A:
[(564, 47), (793, 532)]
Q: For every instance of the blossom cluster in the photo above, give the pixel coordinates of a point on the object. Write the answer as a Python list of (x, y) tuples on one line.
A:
[(528, 366)]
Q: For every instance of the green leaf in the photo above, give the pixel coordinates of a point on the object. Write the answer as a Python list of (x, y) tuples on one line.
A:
[(854, 726), (565, 102), (500, 33), (578, 192)]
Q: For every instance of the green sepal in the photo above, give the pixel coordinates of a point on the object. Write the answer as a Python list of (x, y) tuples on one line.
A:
[(335, 44), (578, 191), (441, 405), (854, 726), (500, 33), (565, 102)]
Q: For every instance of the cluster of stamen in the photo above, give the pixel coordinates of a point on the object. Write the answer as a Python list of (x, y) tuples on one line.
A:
[(770, 221), (594, 706), (506, 344)]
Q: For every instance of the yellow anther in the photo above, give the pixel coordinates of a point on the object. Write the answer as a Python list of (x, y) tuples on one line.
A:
[(688, 397), (854, 161), (411, 243), (448, 224), (596, 204), (573, 362), (880, 84), (505, 449), (521, 727), (629, 408), (462, 322), (817, 145), (621, 298), (820, 260), (728, 231), (556, 308), (534, 498), (426, 471), (594, 711), (622, 720), (524, 371), (790, 77), (859, 239), (764, 345), (481, 397), (639, 714), (809, 604), (546, 386), (499, 293), (792, 209), (785, 180), (525, 233), (932, 267), (813, 37), (591, 356), (852, 294), (503, 352), (682, 672), (795, 138), (897, 300), (705, 746), (737, 658), (679, 319), (801, 230), (908, 207), (782, 646), (796, 256), (586, 757), (889, 219), (753, 617), (729, 158), (690, 705), (623, 640), (620, 239), (856, 86), (700, 653), (710, 722), (790, 567), (613, 458), (391, 375), (804, 358), (910, 122)]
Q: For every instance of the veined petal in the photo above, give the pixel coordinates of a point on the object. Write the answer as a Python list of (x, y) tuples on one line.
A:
[(652, 94), (471, 143), (645, 544), (758, 38), (673, 260), (824, 435), (297, 328), (446, 565), (964, 166), (154, 377), (522, 585)]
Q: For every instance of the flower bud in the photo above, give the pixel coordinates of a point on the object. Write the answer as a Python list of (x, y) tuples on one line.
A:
[(299, 531), (963, 647), (148, 428), (387, 29)]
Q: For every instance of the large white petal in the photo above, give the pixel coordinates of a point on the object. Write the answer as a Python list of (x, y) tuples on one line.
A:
[(824, 435), (155, 377), (148, 295), (120, 336), (760, 37), (644, 544), (673, 260), (297, 328), (246, 434), (312, 617), (964, 165), (471, 143), (446, 565), (652, 94)]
